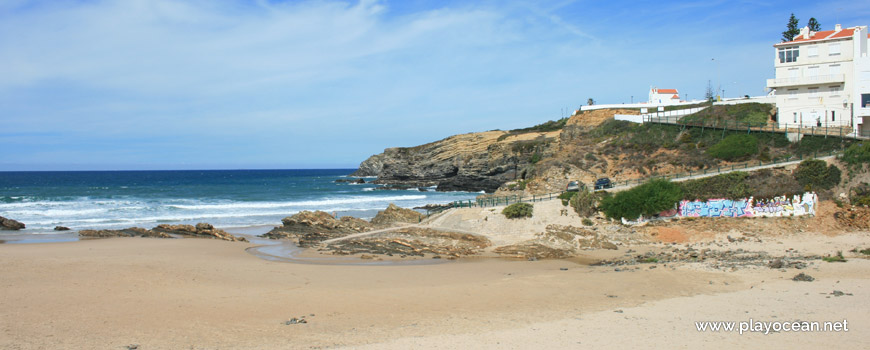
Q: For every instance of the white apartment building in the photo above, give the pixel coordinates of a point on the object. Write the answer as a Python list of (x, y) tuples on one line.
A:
[(823, 79)]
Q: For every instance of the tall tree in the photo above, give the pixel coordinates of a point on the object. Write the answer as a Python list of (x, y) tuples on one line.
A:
[(590, 101), (708, 95), (792, 29), (814, 24)]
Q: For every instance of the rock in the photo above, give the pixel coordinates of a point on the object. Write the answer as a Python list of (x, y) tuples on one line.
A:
[(201, 230), (469, 162), (395, 214), (9, 224), (563, 269), (802, 277), (776, 264), (838, 293), (295, 320), (127, 232), (351, 181), (61, 228), (309, 228)]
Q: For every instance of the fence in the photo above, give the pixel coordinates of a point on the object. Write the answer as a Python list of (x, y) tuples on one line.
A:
[(824, 130), (672, 114)]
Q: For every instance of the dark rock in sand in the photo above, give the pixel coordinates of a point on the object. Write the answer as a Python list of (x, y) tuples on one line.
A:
[(127, 232), (802, 277), (201, 230), (61, 228), (395, 214), (9, 224)]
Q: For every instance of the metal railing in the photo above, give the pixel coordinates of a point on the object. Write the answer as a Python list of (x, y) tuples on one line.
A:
[(841, 131)]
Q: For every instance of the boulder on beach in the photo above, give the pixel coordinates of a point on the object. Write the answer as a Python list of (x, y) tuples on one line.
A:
[(61, 228), (201, 230), (9, 224), (395, 214)]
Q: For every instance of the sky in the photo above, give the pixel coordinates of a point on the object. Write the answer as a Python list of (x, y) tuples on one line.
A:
[(233, 84)]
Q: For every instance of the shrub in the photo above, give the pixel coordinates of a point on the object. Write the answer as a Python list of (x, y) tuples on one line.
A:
[(734, 147), (836, 258), (518, 210), (729, 185), (587, 222), (857, 154), (816, 174), (648, 199), (566, 197), (583, 203)]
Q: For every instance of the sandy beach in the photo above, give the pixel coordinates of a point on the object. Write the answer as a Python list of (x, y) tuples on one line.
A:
[(209, 294)]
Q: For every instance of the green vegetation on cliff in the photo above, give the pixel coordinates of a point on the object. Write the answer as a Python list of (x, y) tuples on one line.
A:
[(518, 210), (648, 199), (751, 114)]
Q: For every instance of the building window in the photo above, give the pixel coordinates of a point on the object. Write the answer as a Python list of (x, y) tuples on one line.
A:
[(812, 51), (792, 94), (835, 90), (788, 54), (834, 49), (834, 69), (865, 100), (794, 72), (812, 71), (833, 116), (795, 117), (814, 92)]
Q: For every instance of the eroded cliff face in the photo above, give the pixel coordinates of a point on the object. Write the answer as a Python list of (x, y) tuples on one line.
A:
[(480, 161)]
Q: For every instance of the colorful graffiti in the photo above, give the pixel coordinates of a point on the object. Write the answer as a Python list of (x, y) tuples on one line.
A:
[(778, 206)]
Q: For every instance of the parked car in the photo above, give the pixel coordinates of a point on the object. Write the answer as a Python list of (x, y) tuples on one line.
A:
[(574, 186), (603, 183)]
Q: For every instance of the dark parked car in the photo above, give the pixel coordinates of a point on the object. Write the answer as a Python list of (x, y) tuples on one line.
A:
[(603, 183)]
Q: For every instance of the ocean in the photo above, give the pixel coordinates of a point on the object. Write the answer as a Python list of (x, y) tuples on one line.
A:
[(224, 198)]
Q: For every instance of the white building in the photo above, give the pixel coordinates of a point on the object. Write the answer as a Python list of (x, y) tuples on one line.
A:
[(663, 96), (823, 79)]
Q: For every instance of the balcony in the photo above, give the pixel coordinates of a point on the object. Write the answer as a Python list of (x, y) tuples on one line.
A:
[(811, 80)]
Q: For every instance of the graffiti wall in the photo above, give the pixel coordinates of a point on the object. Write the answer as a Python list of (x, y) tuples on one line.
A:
[(780, 206)]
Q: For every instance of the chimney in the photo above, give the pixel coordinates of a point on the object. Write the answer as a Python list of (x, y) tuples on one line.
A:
[(805, 33), (838, 27)]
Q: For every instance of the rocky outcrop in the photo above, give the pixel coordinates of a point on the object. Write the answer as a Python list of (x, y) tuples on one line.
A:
[(9, 224), (350, 181), (308, 228), (61, 228), (395, 214), (558, 242), (201, 230), (127, 232), (412, 241), (468, 162)]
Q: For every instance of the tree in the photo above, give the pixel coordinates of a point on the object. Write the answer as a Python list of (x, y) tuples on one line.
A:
[(814, 24), (708, 95), (792, 29), (590, 101)]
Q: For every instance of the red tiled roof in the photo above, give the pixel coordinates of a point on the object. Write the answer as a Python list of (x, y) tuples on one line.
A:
[(667, 91), (675, 96), (825, 34)]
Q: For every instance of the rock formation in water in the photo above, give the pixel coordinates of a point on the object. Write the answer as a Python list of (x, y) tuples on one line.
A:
[(127, 232), (9, 224)]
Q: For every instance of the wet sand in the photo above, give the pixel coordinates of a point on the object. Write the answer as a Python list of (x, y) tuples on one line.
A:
[(196, 293)]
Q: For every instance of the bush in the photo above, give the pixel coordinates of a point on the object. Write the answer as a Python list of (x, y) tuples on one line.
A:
[(583, 203), (587, 222), (566, 197), (648, 199), (816, 174), (734, 147), (518, 210), (857, 154)]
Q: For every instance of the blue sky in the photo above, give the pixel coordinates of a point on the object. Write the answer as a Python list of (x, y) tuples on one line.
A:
[(207, 84)]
